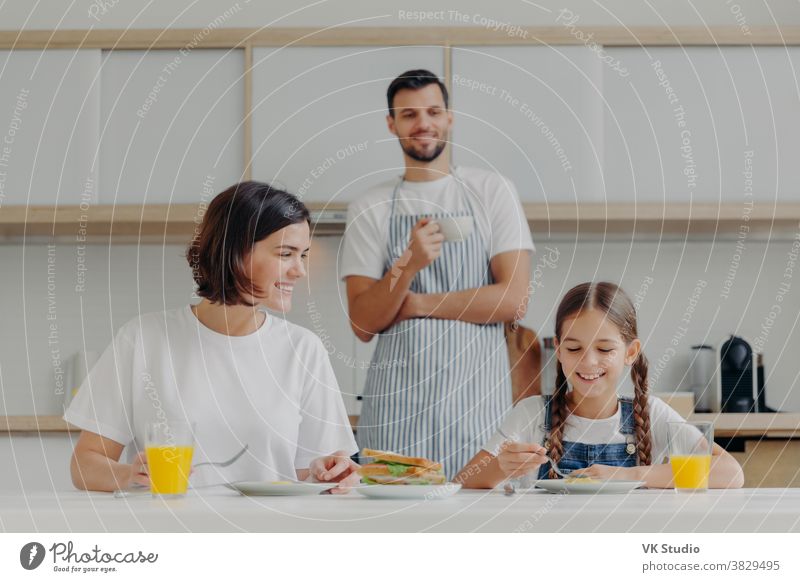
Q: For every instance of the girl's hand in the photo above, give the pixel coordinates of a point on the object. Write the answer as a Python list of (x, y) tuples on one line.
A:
[(609, 472), (335, 468), (139, 473), (519, 459)]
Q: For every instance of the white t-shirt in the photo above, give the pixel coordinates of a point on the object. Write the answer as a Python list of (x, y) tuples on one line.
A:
[(525, 423), (273, 390), (494, 200)]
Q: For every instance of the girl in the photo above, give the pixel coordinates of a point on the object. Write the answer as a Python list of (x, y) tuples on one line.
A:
[(244, 376), (585, 427)]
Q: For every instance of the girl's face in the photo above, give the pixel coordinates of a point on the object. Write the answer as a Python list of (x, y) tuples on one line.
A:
[(275, 263), (593, 353)]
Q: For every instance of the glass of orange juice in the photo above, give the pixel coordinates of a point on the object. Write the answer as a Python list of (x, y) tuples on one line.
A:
[(690, 445), (169, 446)]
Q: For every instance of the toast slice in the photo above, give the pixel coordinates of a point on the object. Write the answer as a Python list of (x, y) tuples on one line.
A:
[(381, 469), (384, 474), (388, 457)]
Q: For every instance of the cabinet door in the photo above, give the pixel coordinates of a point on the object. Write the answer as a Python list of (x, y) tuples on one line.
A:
[(533, 114), (48, 126), (708, 124), (36, 463), (319, 114), (171, 125)]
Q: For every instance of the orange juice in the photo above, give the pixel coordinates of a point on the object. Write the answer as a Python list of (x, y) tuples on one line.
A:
[(169, 468), (691, 471)]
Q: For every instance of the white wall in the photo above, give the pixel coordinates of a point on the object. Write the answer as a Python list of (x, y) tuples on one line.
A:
[(687, 294), (122, 281), (46, 320)]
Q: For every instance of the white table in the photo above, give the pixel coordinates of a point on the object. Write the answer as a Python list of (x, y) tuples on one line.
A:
[(217, 510)]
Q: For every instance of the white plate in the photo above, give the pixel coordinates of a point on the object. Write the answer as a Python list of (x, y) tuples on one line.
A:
[(421, 492), (610, 486), (278, 488)]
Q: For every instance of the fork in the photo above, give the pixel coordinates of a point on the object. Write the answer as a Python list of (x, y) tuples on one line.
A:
[(223, 463), (133, 488), (510, 485)]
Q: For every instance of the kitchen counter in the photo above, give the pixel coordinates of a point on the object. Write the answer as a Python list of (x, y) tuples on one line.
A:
[(754, 424), (221, 510), (782, 425)]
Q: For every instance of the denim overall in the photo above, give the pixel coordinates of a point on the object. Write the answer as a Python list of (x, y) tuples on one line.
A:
[(580, 455)]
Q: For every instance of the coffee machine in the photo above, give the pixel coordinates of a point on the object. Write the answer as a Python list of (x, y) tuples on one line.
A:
[(740, 383)]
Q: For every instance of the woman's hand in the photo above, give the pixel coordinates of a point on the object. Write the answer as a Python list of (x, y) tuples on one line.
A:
[(335, 468), (609, 472), (518, 459), (139, 473)]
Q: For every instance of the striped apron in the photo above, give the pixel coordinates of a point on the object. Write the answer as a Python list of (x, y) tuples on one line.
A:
[(437, 388)]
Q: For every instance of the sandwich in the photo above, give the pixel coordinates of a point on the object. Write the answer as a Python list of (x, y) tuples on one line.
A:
[(393, 469)]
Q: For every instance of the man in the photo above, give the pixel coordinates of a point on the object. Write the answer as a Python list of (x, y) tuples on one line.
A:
[(438, 384)]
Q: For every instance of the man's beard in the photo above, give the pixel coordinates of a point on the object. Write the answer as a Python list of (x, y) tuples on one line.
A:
[(408, 149)]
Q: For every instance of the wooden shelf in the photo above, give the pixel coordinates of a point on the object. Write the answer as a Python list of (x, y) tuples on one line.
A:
[(13, 424), (624, 219), (176, 223), (394, 35), (149, 223)]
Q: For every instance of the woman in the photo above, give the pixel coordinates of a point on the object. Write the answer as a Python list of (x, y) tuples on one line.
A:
[(243, 376)]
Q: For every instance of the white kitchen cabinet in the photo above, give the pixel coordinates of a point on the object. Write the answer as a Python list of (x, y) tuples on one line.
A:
[(171, 125), (533, 114), (33, 462), (705, 124), (49, 103), (319, 114)]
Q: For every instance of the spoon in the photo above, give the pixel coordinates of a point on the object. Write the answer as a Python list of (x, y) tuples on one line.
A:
[(509, 485)]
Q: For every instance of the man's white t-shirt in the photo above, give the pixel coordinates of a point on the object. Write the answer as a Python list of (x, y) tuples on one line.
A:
[(525, 423), (494, 200), (273, 390)]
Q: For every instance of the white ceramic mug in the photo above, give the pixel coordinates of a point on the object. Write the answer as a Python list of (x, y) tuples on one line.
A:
[(456, 228)]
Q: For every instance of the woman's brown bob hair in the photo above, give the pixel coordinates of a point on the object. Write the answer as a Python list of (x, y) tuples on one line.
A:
[(234, 222)]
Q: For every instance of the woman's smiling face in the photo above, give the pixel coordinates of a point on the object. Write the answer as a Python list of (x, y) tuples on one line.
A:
[(593, 353), (276, 263)]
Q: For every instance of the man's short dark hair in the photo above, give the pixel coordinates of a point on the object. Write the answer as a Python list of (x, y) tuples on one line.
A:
[(416, 79), (234, 222)]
